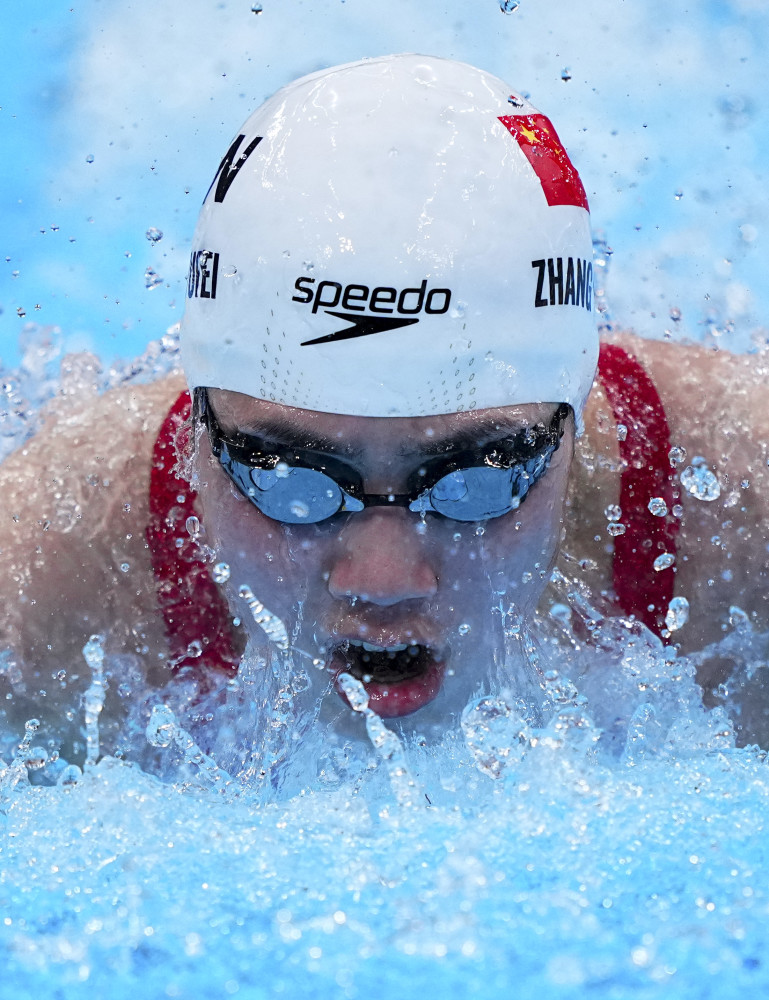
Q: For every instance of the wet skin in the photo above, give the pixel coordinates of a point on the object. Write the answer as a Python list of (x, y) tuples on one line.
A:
[(387, 576)]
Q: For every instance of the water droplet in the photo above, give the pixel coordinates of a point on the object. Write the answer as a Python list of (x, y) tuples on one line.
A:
[(677, 614), (20, 313), (354, 691), (615, 529), (192, 524), (613, 512), (152, 279), (221, 572), (657, 507), (70, 775), (229, 271), (162, 726), (676, 454), (566, 74), (675, 314), (737, 617), (35, 758), (480, 530), (256, 8), (621, 432), (515, 101), (665, 561), (698, 480), (678, 195), (463, 629), (299, 508), (124, 567), (154, 235), (127, 508), (494, 733), (508, 6), (89, 158)]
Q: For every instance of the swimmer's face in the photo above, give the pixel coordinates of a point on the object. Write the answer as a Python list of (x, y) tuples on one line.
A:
[(418, 590)]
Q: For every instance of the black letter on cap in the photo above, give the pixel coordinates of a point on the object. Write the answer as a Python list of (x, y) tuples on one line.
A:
[(227, 173)]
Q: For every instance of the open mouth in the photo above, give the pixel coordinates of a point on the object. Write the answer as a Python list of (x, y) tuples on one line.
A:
[(399, 679)]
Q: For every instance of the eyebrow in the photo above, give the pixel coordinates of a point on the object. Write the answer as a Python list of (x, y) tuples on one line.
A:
[(280, 431)]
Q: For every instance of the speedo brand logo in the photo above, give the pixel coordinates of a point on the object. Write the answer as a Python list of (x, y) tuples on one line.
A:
[(369, 310), (569, 285)]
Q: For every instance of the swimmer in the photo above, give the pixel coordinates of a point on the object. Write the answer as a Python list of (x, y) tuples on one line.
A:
[(396, 415)]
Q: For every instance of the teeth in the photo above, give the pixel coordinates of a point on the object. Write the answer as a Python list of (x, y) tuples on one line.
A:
[(369, 647)]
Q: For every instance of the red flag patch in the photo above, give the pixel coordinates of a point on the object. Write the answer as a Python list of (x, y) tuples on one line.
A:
[(542, 148)]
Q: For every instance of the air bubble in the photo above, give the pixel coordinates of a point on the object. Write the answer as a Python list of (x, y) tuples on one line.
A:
[(192, 524), (464, 628), (613, 512), (657, 507), (677, 454), (665, 561), (615, 529), (154, 235), (221, 572), (621, 432)]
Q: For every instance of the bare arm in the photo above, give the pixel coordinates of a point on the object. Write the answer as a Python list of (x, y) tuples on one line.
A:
[(72, 533)]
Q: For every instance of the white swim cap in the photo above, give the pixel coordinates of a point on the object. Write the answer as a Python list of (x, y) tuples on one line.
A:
[(401, 236)]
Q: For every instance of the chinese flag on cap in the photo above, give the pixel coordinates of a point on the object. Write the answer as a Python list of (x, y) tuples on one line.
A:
[(542, 148)]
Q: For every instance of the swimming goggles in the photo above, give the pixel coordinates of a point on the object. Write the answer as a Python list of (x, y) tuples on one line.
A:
[(301, 486)]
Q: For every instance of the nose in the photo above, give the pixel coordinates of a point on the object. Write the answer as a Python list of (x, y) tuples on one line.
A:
[(381, 559)]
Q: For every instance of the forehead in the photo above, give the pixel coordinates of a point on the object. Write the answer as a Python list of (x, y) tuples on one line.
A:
[(236, 411)]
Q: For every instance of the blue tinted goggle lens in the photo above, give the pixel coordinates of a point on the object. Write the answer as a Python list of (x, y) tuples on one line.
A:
[(291, 495)]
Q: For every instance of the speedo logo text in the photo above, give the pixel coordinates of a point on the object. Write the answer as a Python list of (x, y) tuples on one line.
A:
[(369, 310)]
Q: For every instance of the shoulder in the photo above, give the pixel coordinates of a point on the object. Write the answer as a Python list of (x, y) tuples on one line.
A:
[(715, 401), (716, 410)]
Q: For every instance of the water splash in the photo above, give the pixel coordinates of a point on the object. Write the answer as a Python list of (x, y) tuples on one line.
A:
[(386, 743), (270, 624), (93, 701), (163, 730)]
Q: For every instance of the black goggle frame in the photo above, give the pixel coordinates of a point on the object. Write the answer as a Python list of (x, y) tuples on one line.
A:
[(527, 452)]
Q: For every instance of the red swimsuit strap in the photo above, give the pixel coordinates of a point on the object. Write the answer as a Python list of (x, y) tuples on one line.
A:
[(196, 617), (646, 473)]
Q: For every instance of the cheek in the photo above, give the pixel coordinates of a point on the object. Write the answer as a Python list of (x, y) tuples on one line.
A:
[(519, 549)]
